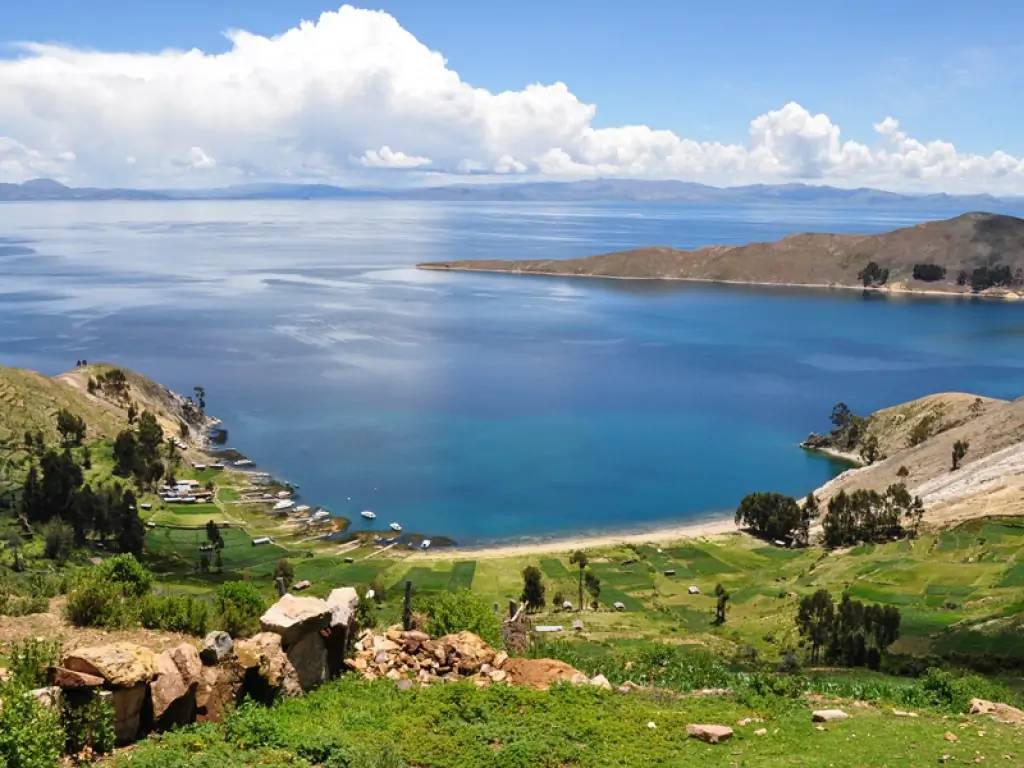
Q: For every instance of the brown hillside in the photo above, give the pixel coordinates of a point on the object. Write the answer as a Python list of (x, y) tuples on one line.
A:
[(965, 243)]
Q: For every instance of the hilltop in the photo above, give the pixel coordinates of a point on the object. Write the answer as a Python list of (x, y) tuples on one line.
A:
[(974, 252), (915, 444)]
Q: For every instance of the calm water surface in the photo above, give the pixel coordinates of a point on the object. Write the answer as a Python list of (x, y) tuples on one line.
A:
[(485, 407)]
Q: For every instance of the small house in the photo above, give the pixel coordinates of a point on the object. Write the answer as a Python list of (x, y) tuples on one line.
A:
[(566, 605), (669, 572), (261, 540), (693, 589), (301, 585), (577, 625), (618, 605)]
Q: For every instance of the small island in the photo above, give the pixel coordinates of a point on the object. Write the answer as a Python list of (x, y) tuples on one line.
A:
[(973, 254)]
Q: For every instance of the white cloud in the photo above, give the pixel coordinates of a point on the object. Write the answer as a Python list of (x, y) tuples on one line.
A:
[(385, 157), (353, 94)]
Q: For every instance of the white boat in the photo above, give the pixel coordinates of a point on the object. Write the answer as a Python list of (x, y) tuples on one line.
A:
[(425, 544), (243, 463), (319, 515), (368, 514), (302, 508), (395, 526), (282, 505)]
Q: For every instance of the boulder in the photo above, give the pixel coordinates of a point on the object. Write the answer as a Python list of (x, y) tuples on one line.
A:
[(120, 664), (186, 659), (712, 734), (472, 652), (1001, 713), (828, 715), (538, 673), (263, 653), (69, 679), (168, 686), (217, 645), (50, 696), (128, 703), (295, 617), (308, 657), (343, 603), (600, 681), (218, 688)]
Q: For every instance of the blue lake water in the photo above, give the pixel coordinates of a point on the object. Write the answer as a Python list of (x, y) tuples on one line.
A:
[(485, 407)]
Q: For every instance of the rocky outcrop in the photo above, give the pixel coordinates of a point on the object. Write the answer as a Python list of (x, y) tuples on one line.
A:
[(293, 618), (828, 715), (69, 679), (712, 734), (262, 655), (119, 664), (217, 645), (1001, 713)]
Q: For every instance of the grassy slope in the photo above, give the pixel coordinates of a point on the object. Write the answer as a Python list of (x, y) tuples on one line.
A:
[(457, 725)]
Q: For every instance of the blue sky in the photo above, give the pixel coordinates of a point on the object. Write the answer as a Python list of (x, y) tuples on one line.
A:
[(944, 70)]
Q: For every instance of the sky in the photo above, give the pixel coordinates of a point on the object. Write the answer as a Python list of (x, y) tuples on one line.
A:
[(912, 96)]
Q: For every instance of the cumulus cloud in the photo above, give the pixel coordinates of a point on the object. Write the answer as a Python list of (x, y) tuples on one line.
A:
[(354, 94), (385, 157)]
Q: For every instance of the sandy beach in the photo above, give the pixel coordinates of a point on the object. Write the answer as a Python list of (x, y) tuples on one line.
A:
[(564, 544)]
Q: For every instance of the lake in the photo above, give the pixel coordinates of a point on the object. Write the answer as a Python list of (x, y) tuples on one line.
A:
[(485, 407)]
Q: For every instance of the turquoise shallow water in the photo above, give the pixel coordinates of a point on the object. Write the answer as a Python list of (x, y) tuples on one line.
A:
[(485, 407)]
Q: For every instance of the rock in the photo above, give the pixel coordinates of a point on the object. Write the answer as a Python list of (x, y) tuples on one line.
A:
[(404, 684), (651, 724), (296, 617), (69, 679), (760, 731), (600, 681), (902, 713), (127, 703), (1001, 713), (748, 720), (263, 653), (216, 647), (712, 734), (343, 603), (186, 659), (628, 687), (168, 687), (538, 673), (579, 678), (471, 650), (308, 656), (50, 696), (950, 737), (828, 715), (499, 659), (218, 688), (120, 664)]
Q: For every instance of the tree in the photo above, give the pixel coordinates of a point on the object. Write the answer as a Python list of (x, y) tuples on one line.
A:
[(125, 453), (533, 588), (200, 393), (873, 275), (814, 620), (579, 559), (149, 436), (283, 570), (32, 506), (213, 535), (869, 450), (841, 416), (593, 585), (770, 515), (132, 412), (808, 514), (59, 540), (131, 532), (721, 602), (71, 428), (959, 451)]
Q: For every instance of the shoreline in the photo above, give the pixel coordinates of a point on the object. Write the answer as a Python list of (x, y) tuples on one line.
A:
[(882, 290), (662, 535)]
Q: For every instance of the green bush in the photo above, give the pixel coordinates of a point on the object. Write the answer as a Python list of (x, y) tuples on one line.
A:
[(13, 605), (239, 607), (89, 725), (28, 661), (953, 692), (175, 614), (132, 577), (98, 603), (461, 610), (58, 540), (30, 734), (252, 726)]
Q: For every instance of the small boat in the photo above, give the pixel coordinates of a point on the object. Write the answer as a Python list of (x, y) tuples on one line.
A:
[(425, 544), (368, 514), (243, 463), (395, 526), (282, 505)]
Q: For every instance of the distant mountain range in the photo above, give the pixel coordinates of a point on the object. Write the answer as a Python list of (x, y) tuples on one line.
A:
[(597, 190)]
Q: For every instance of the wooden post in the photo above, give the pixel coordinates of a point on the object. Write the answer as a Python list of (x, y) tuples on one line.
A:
[(512, 608), (407, 607)]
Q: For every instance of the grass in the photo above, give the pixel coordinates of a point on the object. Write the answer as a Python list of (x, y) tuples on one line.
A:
[(352, 722)]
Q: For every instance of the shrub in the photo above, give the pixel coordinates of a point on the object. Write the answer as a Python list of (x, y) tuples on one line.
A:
[(30, 734), (12, 605), (175, 614), (89, 725), (929, 273), (239, 605), (451, 612), (98, 603), (126, 571), (28, 661), (252, 726), (947, 690), (58, 541)]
